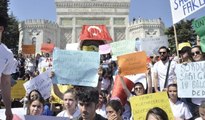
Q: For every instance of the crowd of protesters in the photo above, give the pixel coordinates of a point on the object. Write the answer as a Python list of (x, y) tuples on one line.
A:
[(87, 103)]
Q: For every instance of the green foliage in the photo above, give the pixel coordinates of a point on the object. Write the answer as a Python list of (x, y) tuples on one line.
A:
[(11, 33), (185, 33)]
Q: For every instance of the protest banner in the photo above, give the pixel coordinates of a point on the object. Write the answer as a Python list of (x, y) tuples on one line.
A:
[(104, 49), (62, 88), (183, 8), (47, 48), (76, 67), (122, 47), (151, 44), (18, 91), (133, 63), (199, 27), (43, 117), (42, 83), (191, 80), (72, 46), (28, 49), (142, 104)]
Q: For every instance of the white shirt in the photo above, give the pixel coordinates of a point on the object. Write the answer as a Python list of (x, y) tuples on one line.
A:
[(7, 61), (180, 110), (199, 118), (161, 70), (102, 111), (65, 114)]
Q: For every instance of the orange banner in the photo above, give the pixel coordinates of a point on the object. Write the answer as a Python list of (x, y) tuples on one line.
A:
[(47, 48), (133, 63), (28, 49)]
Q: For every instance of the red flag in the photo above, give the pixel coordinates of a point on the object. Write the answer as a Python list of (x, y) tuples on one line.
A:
[(95, 32), (47, 48)]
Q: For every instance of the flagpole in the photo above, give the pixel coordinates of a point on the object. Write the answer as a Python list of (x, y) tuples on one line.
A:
[(176, 41)]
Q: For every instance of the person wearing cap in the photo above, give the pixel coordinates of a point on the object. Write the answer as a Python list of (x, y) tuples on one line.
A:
[(185, 52), (7, 66)]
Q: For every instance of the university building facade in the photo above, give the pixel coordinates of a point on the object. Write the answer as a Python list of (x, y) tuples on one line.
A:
[(73, 14)]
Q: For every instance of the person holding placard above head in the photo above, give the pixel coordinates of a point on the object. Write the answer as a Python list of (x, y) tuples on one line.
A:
[(179, 108), (197, 56), (164, 70)]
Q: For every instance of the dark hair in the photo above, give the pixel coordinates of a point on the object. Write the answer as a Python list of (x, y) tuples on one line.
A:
[(29, 95), (172, 85), (72, 91), (139, 83), (164, 47), (40, 99), (116, 105), (3, 21), (89, 95), (159, 112)]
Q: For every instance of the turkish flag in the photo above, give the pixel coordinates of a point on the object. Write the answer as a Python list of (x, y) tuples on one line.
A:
[(95, 32), (47, 48)]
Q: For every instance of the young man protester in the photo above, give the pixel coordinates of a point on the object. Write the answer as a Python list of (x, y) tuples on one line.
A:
[(7, 64), (88, 103)]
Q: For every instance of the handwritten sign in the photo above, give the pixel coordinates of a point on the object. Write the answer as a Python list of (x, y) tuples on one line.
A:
[(18, 91), (132, 63), (76, 67), (199, 27), (183, 8), (42, 83), (104, 49), (151, 45), (122, 47), (141, 104), (191, 80), (62, 88), (28, 49)]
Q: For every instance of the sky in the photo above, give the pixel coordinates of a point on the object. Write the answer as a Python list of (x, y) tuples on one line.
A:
[(45, 9)]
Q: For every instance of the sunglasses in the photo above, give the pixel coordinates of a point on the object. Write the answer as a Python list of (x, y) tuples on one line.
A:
[(162, 53), (195, 53)]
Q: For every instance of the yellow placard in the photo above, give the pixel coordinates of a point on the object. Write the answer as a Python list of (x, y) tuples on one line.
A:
[(133, 63), (141, 105), (62, 88), (18, 91)]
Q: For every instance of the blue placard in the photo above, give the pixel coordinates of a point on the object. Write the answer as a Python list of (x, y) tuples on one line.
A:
[(76, 67)]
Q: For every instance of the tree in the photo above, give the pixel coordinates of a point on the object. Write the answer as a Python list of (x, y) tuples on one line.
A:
[(11, 33), (185, 33)]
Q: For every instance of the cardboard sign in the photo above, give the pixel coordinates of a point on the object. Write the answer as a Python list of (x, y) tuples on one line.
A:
[(133, 63), (76, 67), (18, 91), (152, 44), (42, 83), (28, 49), (183, 8), (191, 80), (104, 49), (142, 104), (199, 27), (122, 47), (47, 48)]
